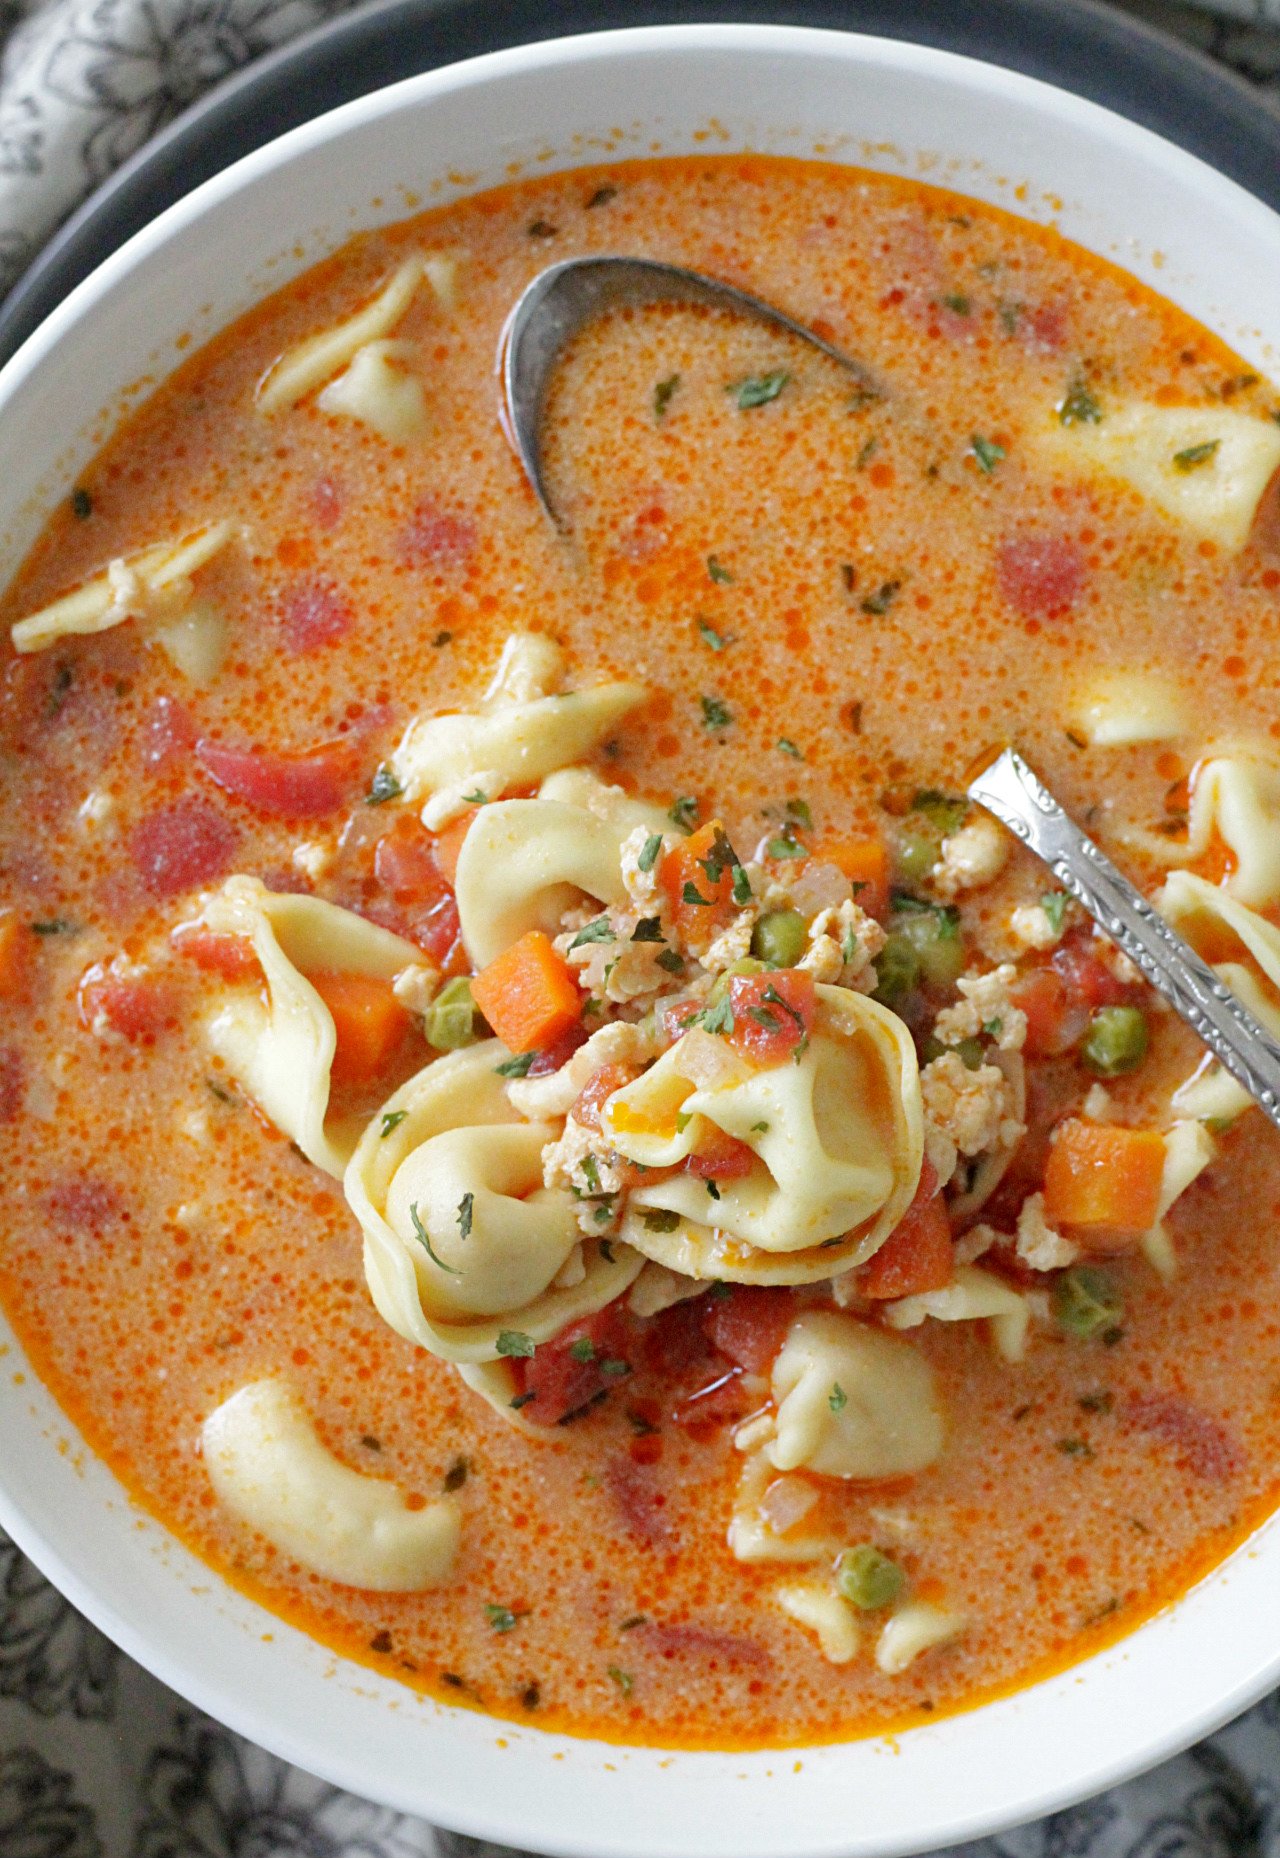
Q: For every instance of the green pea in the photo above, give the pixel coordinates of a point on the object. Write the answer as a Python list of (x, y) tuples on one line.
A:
[(868, 1578), (450, 1021), (897, 970), (1116, 1041), (970, 1051), (780, 937), (720, 986), (1086, 1303), (916, 853), (934, 934)]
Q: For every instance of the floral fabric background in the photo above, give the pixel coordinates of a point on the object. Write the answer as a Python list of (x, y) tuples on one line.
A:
[(98, 1760)]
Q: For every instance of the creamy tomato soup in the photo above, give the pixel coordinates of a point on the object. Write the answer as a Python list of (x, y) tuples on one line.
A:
[(542, 1136)]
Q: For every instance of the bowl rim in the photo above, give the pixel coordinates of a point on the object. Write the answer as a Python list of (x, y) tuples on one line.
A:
[(496, 1814)]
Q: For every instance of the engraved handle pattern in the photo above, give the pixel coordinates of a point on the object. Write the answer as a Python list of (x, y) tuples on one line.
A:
[(1020, 801)]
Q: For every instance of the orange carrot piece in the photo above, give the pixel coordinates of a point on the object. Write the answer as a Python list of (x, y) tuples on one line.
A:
[(864, 862), (699, 902), (449, 843), (1102, 1180), (917, 1254), (528, 995), (368, 1019), (14, 948)]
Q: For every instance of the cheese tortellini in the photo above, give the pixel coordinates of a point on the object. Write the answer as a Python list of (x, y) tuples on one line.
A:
[(154, 581), (280, 1051), (971, 1296), (1238, 795), (308, 365), (852, 1402), (462, 1241), (521, 733), (270, 1469), (838, 1137), (1204, 466), (1212, 1094)]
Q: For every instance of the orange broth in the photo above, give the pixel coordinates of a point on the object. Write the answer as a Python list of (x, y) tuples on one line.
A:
[(162, 1245)]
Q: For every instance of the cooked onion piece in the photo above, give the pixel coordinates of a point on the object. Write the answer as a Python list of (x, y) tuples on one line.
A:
[(280, 1050), (520, 734), (1206, 467), (477, 1264), (838, 1138), (153, 581), (270, 1469), (852, 1401)]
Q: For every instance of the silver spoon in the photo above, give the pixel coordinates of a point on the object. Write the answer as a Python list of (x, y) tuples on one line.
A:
[(564, 297), (1021, 801)]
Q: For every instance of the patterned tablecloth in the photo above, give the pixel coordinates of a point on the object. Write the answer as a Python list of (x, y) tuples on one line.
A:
[(98, 1760)]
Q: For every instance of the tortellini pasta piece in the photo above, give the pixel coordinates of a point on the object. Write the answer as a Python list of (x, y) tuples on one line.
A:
[(376, 393), (838, 1137), (1188, 1150), (280, 1051), (524, 863), (513, 740), (852, 1401), (129, 588), (449, 1145), (821, 1610), (1239, 795), (271, 1470), (917, 1627), (1212, 1094), (1204, 466), (310, 363), (972, 1296), (1117, 708)]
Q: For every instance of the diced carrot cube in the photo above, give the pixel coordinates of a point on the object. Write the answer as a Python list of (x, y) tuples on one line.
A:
[(1103, 1180), (865, 862), (14, 949), (917, 1254), (528, 995), (696, 878), (368, 1019)]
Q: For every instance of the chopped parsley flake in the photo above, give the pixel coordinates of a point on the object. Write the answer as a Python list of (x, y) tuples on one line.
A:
[(788, 846), (713, 1190), (1078, 406), (714, 713), (383, 787), (648, 929), (788, 747), (758, 389), (837, 1399), (693, 896), (392, 1119), (501, 1618), (591, 1173), (456, 1476), (466, 1210), (542, 229), (423, 1237), (672, 960), (517, 1066), (515, 1342), (601, 930), (716, 640), (1196, 455), (623, 1679), (476, 798), (663, 394), (878, 603), (869, 449), (520, 1400), (55, 925), (649, 853), (442, 638), (987, 453), (583, 1349), (1054, 904), (660, 1219), (720, 575), (684, 812), (957, 303), (81, 503), (717, 1018), (741, 887), (601, 197), (1075, 1448), (615, 1368), (759, 1128)]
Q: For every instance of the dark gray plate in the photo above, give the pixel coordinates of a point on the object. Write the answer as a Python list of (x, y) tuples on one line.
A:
[(1082, 46)]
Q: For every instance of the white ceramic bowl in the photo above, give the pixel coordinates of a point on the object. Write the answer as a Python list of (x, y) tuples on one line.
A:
[(1117, 189)]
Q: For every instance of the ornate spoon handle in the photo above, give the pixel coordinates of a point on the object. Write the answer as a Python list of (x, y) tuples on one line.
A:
[(1021, 801)]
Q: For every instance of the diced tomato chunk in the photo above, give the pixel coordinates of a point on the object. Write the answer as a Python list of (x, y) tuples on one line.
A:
[(1040, 576), (721, 1157), (772, 1013), (677, 1348), (81, 1204), (1044, 326), (435, 538), (437, 931), (563, 1381), (610, 1077), (300, 784), (1055, 1022), (750, 1324), (368, 1019), (313, 613), (405, 863), (13, 1083), (1201, 1442), (136, 1006), (638, 1501), (720, 1402), (559, 1052), (181, 846), (696, 878), (1088, 978), (230, 956), (167, 734), (917, 1254), (449, 843)]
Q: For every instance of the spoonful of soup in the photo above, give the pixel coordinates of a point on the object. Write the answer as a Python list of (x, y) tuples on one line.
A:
[(561, 300), (1009, 789)]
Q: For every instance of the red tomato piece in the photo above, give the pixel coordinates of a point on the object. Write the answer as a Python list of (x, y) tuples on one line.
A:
[(230, 956), (1202, 1443), (638, 1501), (721, 1157), (552, 1057), (137, 1006), (1088, 979), (1045, 326), (328, 499), (677, 1349), (1055, 1021), (181, 846), (13, 1083), (721, 1402), (435, 538), (313, 613), (1040, 575), (404, 863), (750, 1324), (687, 1640), (562, 1381), (772, 1013), (610, 1077), (286, 784), (438, 933), (917, 1254), (84, 1203), (167, 733)]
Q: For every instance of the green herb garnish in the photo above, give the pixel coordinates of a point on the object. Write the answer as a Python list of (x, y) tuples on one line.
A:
[(423, 1237), (758, 389), (987, 453), (516, 1067), (878, 603), (601, 930), (392, 1119), (1196, 455), (720, 575), (383, 787), (515, 1342), (714, 713), (663, 394)]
